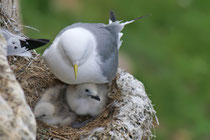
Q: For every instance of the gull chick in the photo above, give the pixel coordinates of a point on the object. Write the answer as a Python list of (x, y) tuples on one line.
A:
[(20, 45), (87, 98), (53, 109), (86, 52)]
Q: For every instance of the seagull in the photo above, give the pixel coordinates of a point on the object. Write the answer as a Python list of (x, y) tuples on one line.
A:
[(53, 109), (20, 45), (86, 52), (87, 98)]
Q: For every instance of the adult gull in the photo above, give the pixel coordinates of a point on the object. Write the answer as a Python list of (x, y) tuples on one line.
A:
[(86, 52)]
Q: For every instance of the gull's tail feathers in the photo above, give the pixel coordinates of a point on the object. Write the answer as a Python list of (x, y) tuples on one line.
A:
[(118, 26), (131, 21)]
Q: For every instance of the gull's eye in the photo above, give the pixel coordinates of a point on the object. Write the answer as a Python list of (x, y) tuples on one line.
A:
[(15, 47), (87, 90), (43, 115), (13, 42)]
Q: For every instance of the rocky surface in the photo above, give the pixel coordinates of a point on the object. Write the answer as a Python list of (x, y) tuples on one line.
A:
[(16, 118)]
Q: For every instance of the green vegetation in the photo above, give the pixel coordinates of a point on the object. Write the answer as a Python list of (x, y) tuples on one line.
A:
[(170, 51)]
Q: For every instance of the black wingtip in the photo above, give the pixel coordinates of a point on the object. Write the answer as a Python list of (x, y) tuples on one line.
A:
[(31, 44), (44, 40), (112, 16), (142, 17)]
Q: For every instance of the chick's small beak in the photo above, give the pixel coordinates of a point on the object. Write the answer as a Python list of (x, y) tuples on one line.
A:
[(95, 97), (75, 71)]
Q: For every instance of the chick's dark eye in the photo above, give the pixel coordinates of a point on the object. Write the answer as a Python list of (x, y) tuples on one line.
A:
[(43, 115), (13, 42), (87, 90)]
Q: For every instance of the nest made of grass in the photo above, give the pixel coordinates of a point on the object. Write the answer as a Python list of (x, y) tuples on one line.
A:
[(34, 77)]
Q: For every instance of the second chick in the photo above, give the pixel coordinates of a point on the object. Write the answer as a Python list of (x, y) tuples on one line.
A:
[(53, 109)]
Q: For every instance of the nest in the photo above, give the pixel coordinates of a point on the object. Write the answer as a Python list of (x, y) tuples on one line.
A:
[(128, 115), (34, 77)]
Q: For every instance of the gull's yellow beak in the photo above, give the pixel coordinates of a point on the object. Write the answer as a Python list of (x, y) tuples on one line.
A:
[(75, 71)]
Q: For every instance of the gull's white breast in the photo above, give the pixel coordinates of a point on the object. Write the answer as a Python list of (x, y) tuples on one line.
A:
[(62, 68)]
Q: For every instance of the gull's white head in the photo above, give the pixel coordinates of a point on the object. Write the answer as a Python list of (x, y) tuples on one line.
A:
[(78, 44), (44, 111), (88, 90)]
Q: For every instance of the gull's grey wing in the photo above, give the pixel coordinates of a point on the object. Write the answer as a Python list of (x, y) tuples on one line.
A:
[(107, 48), (15, 51)]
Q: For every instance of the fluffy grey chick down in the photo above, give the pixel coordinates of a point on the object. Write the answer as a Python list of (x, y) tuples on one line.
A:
[(53, 109), (87, 98)]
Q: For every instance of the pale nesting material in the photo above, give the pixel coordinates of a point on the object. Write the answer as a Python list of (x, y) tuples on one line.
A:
[(135, 116), (86, 52), (53, 109), (20, 45), (87, 98)]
